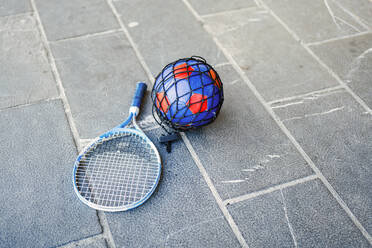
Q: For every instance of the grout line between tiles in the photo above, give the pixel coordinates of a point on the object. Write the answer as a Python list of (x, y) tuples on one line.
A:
[(284, 128), (221, 64), (56, 75), (83, 242), (356, 18), (346, 87), (29, 103), (217, 197), (227, 12), (288, 133), (85, 36), (326, 90), (297, 145), (329, 70), (269, 190), (106, 229), (288, 222), (17, 15), (130, 39), (101, 216), (193, 11), (183, 136)]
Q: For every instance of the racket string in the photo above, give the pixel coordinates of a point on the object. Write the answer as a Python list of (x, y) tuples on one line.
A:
[(117, 171)]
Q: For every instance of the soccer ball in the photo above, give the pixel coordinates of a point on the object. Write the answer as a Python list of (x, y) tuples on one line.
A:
[(187, 93)]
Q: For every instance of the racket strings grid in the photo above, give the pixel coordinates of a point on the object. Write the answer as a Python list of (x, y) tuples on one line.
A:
[(118, 172)]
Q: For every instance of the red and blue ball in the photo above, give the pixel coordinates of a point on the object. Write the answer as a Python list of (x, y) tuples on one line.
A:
[(187, 93)]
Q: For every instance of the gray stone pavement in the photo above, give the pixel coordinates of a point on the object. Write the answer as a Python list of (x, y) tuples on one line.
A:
[(288, 163)]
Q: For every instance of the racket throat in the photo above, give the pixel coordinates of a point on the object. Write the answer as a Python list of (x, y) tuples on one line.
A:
[(134, 110)]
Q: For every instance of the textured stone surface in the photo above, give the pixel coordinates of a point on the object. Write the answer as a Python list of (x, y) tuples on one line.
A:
[(244, 150), (351, 59), (361, 10), (37, 202), (262, 221), (25, 72), (69, 18), (277, 69), (305, 215), (336, 133), (182, 204), (171, 32), (210, 7), (315, 20), (99, 83), (101, 243), (211, 233), (318, 220), (8, 7)]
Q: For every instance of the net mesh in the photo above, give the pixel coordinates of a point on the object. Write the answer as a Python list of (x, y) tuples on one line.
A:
[(118, 171), (187, 94)]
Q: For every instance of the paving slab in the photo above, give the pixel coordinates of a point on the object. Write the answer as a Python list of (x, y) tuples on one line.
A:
[(318, 220), (99, 83), (315, 20), (204, 7), (244, 150), (69, 18), (361, 9), (262, 221), (335, 131), (351, 59), (211, 233), (37, 202), (277, 69), (182, 207), (100, 243), (25, 72), (167, 32), (305, 215), (14, 7)]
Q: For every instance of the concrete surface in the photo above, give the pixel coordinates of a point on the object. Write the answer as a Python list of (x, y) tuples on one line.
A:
[(286, 164)]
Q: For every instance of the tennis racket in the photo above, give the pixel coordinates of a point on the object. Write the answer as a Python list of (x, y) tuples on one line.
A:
[(120, 169)]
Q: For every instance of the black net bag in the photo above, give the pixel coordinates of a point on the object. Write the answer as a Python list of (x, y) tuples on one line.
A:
[(187, 94)]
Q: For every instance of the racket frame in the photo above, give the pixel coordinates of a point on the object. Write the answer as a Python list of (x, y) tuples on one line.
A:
[(120, 129)]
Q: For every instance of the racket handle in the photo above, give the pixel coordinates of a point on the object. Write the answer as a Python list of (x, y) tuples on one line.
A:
[(138, 96)]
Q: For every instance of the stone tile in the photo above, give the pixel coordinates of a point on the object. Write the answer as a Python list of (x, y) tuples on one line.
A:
[(351, 59), (99, 83), (25, 72), (262, 221), (277, 69), (314, 216), (362, 9), (336, 133), (244, 150), (315, 20), (166, 31), (69, 18), (212, 233), (38, 205), (100, 243), (14, 7), (318, 220), (209, 6), (181, 206)]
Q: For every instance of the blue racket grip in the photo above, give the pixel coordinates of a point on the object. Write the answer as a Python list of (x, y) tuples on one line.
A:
[(138, 95)]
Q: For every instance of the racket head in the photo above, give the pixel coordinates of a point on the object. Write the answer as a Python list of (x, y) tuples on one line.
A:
[(118, 171)]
